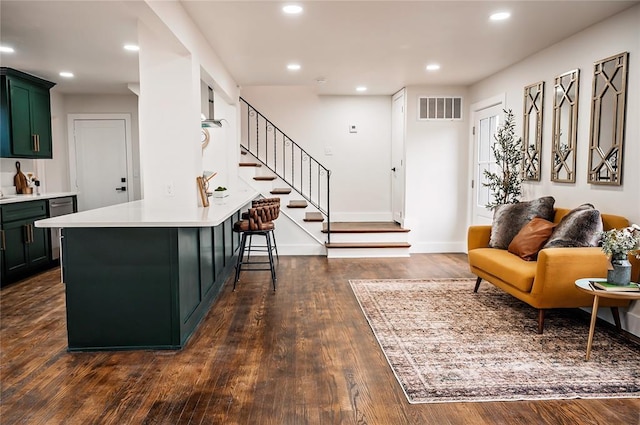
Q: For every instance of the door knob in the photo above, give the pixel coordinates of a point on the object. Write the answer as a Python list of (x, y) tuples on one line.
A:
[(121, 189), (393, 169)]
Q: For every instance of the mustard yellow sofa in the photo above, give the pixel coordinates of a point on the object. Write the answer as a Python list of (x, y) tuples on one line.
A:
[(548, 282)]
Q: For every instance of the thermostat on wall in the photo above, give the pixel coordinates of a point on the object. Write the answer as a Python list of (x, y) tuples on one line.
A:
[(353, 128)]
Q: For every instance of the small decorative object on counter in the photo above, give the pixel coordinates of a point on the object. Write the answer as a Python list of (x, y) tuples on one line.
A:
[(618, 244), (20, 180), (220, 192)]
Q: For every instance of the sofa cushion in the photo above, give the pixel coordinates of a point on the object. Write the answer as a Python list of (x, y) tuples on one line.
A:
[(580, 227), (531, 238), (508, 219), (505, 266)]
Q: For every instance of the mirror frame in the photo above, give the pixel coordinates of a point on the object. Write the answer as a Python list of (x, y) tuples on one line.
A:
[(609, 162), (568, 84), (531, 150)]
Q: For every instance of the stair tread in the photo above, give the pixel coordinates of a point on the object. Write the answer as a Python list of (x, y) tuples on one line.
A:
[(264, 178), (281, 191), (368, 245), (297, 204), (313, 216), (365, 227), (250, 164)]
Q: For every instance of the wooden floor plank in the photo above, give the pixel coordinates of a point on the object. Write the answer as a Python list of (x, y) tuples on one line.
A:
[(302, 355)]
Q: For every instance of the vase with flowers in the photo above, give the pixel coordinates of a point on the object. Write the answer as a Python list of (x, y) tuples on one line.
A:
[(618, 244)]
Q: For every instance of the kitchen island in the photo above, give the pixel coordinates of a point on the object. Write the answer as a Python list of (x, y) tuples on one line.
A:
[(139, 276)]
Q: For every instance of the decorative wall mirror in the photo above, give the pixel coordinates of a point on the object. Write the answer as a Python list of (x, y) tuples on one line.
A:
[(608, 108), (565, 127), (532, 133)]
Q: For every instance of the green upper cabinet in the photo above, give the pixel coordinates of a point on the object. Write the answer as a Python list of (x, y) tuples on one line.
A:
[(26, 115)]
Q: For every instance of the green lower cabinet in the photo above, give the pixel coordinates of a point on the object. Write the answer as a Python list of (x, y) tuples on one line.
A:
[(138, 288), (26, 249)]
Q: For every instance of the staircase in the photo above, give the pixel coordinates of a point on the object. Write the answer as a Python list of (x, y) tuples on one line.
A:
[(275, 165), (367, 239)]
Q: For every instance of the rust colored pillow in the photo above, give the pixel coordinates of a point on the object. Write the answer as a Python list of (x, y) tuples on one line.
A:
[(531, 238)]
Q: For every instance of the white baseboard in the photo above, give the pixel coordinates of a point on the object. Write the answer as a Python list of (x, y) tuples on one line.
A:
[(629, 321), (632, 322), (437, 247), (301, 249)]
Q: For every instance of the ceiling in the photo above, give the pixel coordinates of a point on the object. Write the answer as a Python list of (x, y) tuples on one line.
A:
[(383, 45)]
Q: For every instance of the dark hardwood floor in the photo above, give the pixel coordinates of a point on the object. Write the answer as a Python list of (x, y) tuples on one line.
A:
[(302, 355)]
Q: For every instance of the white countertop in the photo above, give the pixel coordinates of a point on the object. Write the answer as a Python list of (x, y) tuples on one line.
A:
[(144, 214), (11, 199)]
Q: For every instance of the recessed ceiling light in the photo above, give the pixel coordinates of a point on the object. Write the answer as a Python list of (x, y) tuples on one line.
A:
[(131, 47), (6, 49), (292, 9), (293, 67), (66, 74), (361, 88), (500, 16), (433, 67)]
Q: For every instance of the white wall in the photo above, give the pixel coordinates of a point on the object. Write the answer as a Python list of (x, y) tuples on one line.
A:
[(618, 34), (222, 152), (436, 176), (360, 163)]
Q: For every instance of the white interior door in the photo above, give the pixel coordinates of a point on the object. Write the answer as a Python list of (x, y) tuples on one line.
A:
[(397, 157), (486, 122), (102, 162)]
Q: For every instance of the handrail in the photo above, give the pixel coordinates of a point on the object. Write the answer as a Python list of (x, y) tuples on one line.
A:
[(288, 160)]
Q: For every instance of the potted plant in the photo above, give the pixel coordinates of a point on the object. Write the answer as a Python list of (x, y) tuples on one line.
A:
[(505, 185), (618, 244), (220, 192)]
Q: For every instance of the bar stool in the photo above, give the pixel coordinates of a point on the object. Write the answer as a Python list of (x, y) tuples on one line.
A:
[(259, 221), (245, 215)]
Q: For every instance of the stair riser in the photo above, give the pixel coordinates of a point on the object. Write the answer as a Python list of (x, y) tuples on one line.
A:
[(369, 237), (367, 252)]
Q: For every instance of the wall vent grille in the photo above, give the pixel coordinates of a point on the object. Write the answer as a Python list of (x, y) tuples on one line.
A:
[(439, 108)]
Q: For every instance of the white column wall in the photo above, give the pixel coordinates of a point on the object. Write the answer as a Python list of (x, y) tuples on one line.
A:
[(169, 117), (437, 175)]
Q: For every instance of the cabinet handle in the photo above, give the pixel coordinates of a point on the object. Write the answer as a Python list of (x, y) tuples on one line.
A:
[(37, 143), (3, 241), (26, 233), (34, 139), (31, 233)]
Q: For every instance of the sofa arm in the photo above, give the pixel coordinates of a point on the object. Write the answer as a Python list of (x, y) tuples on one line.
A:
[(478, 237), (557, 270)]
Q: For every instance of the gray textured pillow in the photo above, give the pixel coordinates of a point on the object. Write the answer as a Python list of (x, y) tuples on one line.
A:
[(580, 227), (508, 219)]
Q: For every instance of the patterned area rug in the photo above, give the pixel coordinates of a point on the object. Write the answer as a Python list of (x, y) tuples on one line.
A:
[(448, 344)]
